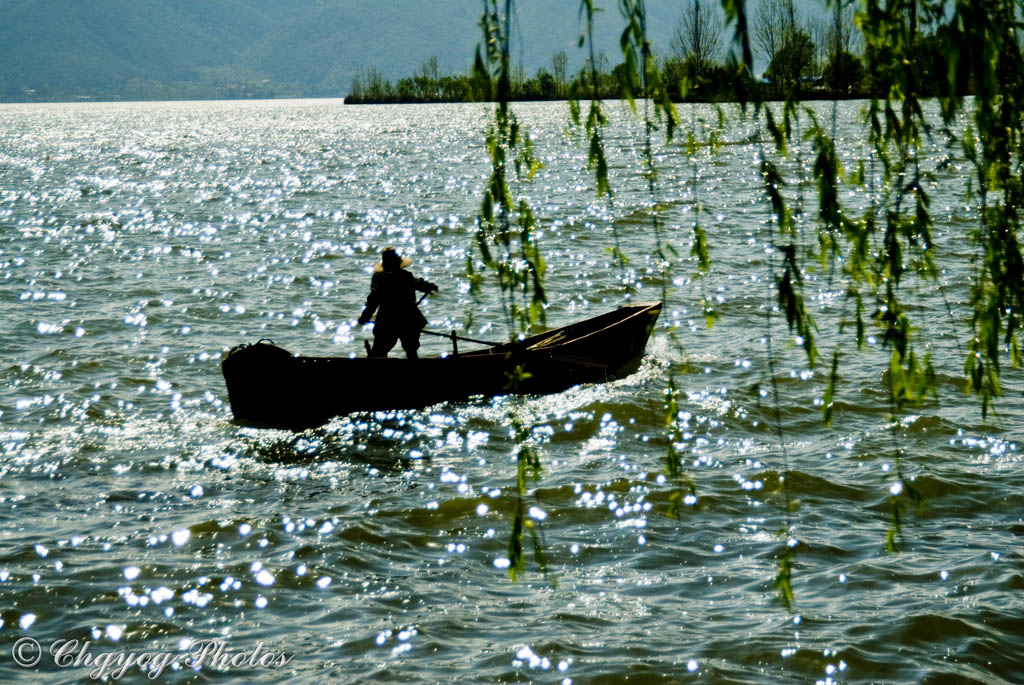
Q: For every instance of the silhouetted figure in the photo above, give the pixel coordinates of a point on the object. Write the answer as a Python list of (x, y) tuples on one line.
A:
[(393, 297)]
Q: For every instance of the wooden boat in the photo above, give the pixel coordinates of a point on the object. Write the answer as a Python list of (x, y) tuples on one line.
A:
[(269, 386)]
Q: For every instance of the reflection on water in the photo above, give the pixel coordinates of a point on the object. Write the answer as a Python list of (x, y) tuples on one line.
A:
[(139, 242)]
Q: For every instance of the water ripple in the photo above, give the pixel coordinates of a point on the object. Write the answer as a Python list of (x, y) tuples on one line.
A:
[(139, 242)]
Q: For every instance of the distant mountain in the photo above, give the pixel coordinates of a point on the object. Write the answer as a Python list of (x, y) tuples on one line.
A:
[(70, 49)]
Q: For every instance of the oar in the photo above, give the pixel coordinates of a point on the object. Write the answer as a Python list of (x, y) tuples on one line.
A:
[(452, 335), (572, 359)]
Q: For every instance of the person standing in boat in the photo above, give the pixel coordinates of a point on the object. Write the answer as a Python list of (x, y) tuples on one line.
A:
[(393, 297)]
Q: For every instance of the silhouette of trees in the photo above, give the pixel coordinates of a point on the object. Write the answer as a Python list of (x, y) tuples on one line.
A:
[(796, 55), (697, 35), (793, 60), (773, 23), (559, 67)]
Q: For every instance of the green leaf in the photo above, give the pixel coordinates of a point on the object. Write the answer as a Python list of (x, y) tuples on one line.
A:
[(830, 389), (784, 578)]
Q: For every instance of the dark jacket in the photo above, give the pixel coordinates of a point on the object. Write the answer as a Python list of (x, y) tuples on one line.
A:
[(393, 297)]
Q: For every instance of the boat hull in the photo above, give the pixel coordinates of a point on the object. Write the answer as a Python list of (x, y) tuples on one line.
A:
[(268, 386)]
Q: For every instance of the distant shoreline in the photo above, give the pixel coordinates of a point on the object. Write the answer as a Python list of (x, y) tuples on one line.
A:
[(370, 101), (807, 96), (804, 97)]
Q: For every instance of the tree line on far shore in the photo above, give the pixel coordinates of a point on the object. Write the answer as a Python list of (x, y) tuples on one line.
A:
[(816, 57)]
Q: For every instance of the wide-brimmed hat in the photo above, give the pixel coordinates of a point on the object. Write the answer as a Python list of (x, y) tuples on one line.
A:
[(386, 253)]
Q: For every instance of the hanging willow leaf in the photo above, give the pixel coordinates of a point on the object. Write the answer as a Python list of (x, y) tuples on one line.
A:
[(895, 529), (673, 460), (828, 171), (784, 578), (773, 183), (574, 108), (791, 300), (596, 120), (643, 78), (778, 135), (830, 389), (539, 554), (517, 562), (700, 248), (736, 12)]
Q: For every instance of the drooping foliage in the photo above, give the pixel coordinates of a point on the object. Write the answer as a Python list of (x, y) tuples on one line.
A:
[(505, 231), (968, 53), (506, 224)]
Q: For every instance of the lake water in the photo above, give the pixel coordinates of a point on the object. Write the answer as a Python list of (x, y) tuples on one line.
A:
[(139, 242)]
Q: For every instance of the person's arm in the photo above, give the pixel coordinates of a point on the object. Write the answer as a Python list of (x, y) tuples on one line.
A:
[(372, 302), (425, 286)]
